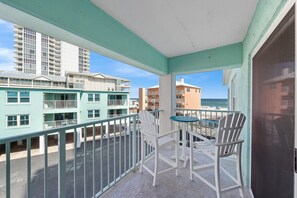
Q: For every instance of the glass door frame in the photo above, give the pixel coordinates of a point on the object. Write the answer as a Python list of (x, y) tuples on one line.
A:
[(286, 8)]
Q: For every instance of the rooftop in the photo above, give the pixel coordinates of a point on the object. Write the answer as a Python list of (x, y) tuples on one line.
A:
[(20, 75)]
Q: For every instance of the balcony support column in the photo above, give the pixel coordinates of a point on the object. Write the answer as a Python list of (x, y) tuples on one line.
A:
[(167, 101)]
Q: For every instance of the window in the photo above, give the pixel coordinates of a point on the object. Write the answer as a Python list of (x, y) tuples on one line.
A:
[(188, 89), (97, 113), (24, 120), (90, 97), (12, 97), (97, 97), (18, 97), (24, 96), (178, 105), (94, 113), (93, 97), (17, 120), (12, 121), (90, 113)]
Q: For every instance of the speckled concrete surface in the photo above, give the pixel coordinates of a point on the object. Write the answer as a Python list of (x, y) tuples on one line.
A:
[(139, 185)]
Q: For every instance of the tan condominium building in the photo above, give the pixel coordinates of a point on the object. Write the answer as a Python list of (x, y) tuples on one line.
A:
[(187, 96)]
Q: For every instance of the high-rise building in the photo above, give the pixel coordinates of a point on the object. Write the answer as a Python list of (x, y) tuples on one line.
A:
[(40, 54)]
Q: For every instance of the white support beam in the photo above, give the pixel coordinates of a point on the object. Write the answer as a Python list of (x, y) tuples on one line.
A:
[(167, 101)]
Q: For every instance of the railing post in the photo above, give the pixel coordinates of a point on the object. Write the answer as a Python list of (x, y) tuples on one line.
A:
[(134, 143), (62, 165)]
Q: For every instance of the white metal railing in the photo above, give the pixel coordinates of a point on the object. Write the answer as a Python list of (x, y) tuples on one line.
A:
[(58, 123), (153, 100), (180, 92), (110, 150), (59, 104), (180, 100), (207, 120), (116, 102), (115, 115), (153, 93)]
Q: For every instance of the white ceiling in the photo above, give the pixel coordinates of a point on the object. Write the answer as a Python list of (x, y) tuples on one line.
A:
[(177, 27)]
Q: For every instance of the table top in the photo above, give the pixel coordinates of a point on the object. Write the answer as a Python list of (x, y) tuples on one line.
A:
[(184, 119)]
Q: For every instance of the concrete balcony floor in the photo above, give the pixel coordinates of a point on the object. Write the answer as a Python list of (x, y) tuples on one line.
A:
[(168, 184)]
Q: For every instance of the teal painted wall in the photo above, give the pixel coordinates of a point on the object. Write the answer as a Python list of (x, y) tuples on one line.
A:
[(102, 105), (82, 18), (225, 57), (36, 102), (265, 14)]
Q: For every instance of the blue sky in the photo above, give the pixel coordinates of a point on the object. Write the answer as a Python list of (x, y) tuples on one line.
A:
[(210, 82)]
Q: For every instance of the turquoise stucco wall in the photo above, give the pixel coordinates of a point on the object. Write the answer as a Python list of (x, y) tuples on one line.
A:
[(264, 15), (225, 57), (102, 104), (36, 102)]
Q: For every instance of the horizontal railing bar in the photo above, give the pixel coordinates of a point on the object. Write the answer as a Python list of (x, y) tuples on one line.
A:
[(12, 138), (207, 110)]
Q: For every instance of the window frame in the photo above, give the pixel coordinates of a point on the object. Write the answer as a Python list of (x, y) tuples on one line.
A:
[(18, 121), (96, 94), (25, 120), (7, 97), (19, 97), (93, 113), (28, 97), (91, 97)]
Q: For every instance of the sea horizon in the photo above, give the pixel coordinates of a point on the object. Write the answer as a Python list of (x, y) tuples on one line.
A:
[(215, 102)]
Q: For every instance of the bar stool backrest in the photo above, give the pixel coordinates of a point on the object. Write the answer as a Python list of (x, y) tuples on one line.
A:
[(227, 137), (148, 127)]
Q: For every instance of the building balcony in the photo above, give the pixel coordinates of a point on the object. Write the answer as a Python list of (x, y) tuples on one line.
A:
[(115, 115), (178, 92), (96, 156), (58, 123), (180, 100), (59, 104), (116, 102), (153, 93), (152, 100)]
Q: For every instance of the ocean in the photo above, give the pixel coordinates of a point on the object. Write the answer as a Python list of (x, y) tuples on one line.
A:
[(220, 103)]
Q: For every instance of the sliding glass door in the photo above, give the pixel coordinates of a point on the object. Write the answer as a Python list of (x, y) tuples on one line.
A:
[(273, 113)]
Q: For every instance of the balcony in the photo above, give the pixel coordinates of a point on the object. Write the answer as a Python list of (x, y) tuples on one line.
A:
[(115, 115), (180, 100), (108, 155), (58, 123), (152, 100), (193, 50), (179, 92), (116, 102), (153, 93), (59, 104)]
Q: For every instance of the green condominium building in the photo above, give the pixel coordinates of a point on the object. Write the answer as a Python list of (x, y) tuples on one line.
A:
[(32, 102)]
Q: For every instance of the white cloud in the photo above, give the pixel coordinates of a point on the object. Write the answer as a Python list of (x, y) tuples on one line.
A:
[(6, 59), (6, 26)]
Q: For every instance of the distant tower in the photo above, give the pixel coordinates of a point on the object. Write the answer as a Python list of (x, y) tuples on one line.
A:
[(37, 53)]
